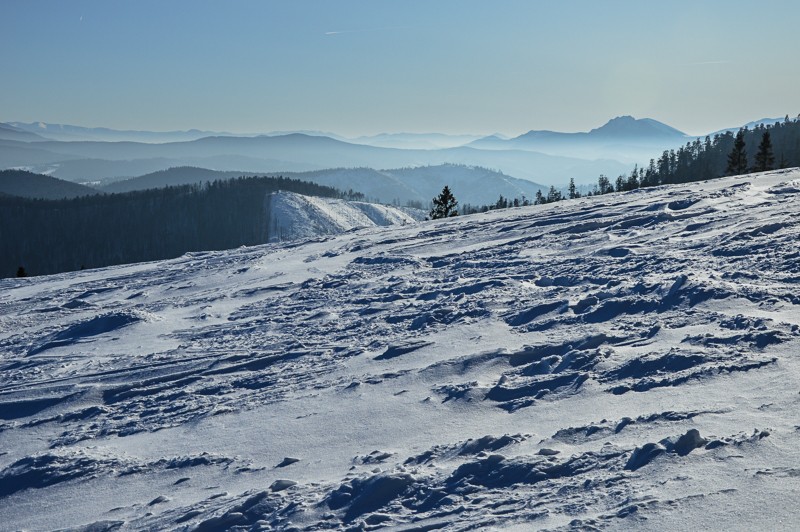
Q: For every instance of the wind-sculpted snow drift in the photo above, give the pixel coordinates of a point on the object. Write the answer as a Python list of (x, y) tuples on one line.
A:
[(621, 361)]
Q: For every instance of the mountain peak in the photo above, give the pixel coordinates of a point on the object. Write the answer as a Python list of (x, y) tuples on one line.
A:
[(628, 126)]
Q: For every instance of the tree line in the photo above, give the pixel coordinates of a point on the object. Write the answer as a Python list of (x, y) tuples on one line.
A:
[(550, 196), (749, 150), (759, 149), (49, 236)]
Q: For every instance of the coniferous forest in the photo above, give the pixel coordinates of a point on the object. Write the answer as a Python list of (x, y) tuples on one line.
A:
[(749, 150), (759, 149), (50, 236)]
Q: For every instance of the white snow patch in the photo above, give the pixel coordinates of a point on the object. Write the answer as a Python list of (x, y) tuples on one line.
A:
[(294, 216)]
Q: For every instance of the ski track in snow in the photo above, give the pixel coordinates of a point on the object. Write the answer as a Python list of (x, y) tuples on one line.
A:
[(621, 361)]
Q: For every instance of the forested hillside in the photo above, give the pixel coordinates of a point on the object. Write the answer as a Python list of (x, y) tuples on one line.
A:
[(46, 236), (30, 185), (176, 176), (759, 149)]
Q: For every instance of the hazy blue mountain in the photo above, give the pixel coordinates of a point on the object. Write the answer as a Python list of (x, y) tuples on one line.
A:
[(378, 185), (470, 184), (309, 132), (69, 133), (627, 127), (80, 167), (29, 185), (415, 141), (750, 125), (622, 127), (473, 185), (102, 171), (15, 153), (261, 147), (294, 152), (623, 138), (535, 166), (66, 132), (11, 132)]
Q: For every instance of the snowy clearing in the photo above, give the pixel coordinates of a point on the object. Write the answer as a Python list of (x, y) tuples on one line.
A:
[(295, 216)]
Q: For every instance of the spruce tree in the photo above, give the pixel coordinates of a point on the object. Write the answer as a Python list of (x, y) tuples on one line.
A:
[(553, 195), (572, 189), (737, 160), (444, 205), (604, 185), (633, 181), (765, 159)]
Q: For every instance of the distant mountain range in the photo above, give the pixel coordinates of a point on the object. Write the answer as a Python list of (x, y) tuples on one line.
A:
[(624, 139), (64, 132), (89, 161), (416, 141), (750, 125), (551, 158), (474, 185), (69, 133), (470, 184), (11, 132)]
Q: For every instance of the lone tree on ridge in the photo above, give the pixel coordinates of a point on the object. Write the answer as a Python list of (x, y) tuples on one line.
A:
[(444, 205)]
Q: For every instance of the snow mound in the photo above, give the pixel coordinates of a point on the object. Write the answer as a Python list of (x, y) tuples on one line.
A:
[(84, 330)]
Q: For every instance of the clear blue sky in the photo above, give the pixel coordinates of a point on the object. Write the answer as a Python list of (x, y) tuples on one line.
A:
[(362, 67)]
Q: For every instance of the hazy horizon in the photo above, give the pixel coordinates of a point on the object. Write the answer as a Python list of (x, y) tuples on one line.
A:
[(364, 68), (376, 133)]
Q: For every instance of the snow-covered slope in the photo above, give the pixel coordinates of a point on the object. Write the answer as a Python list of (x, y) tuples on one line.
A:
[(623, 361), (294, 216)]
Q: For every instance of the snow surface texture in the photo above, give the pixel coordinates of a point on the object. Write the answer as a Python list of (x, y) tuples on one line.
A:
[(616, 362), (294, 216)]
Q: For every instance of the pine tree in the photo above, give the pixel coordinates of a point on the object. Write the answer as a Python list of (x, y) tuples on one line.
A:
[(649, 178), (633, 181), (553, 195), (737, 160), (572, 190), (444, 205), (765, 159), (604, 185)]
